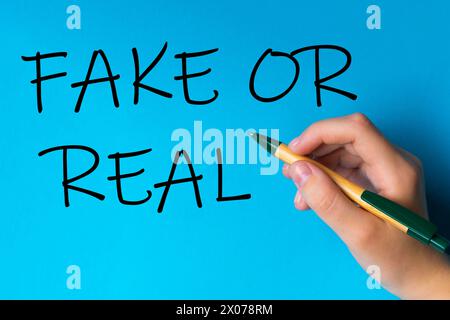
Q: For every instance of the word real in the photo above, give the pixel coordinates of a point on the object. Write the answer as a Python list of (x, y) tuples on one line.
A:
[(119, 176), (186, 76)]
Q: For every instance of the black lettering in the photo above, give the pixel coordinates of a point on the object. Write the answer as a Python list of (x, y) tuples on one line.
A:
[(193, 178), (119, 176), (185, 75), (39, 78), (220, 196), (110, 78), (255, 70), (66, 180), (139, 77), (318, 80)]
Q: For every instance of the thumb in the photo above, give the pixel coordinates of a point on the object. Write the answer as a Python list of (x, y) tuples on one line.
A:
[(323, 196)]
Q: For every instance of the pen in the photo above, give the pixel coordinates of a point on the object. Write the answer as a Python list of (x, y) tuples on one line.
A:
[(400, 217)]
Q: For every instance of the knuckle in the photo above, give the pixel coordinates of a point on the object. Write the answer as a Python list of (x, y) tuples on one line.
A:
[(417, 163), (412, 172), (411, 158), (315, 127), (360, 119)]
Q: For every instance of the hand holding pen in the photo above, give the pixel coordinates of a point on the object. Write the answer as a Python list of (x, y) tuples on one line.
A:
[(376, 175)]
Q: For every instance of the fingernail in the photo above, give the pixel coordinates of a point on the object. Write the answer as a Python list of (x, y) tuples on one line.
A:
[(301, 174), (298, 197), (295, 142)]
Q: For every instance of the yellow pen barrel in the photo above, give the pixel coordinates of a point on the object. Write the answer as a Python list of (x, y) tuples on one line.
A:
[(351, 190)]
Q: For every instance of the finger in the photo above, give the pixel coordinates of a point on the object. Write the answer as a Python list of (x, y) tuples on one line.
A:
[(299, 202), (412, 159), (285, 170), (355, 129), (323, 196), (325, 149), (340, 158)]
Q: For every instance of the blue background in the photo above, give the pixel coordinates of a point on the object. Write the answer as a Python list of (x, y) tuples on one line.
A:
[(248, 249)]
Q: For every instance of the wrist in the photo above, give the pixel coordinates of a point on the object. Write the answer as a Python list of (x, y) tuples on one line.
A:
[(435, 286)]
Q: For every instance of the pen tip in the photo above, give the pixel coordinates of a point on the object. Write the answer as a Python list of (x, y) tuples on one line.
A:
[(267, 143), (254, 135)]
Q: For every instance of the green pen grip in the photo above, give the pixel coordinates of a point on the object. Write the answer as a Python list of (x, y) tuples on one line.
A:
[(418, 227)]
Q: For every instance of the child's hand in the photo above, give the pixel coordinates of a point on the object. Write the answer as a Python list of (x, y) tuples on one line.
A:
[(353, 147)]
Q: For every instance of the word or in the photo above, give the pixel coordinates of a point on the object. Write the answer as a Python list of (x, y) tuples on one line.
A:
[(187, 76), (319, 82), (119, 176), (240, 149), (374, 20)]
